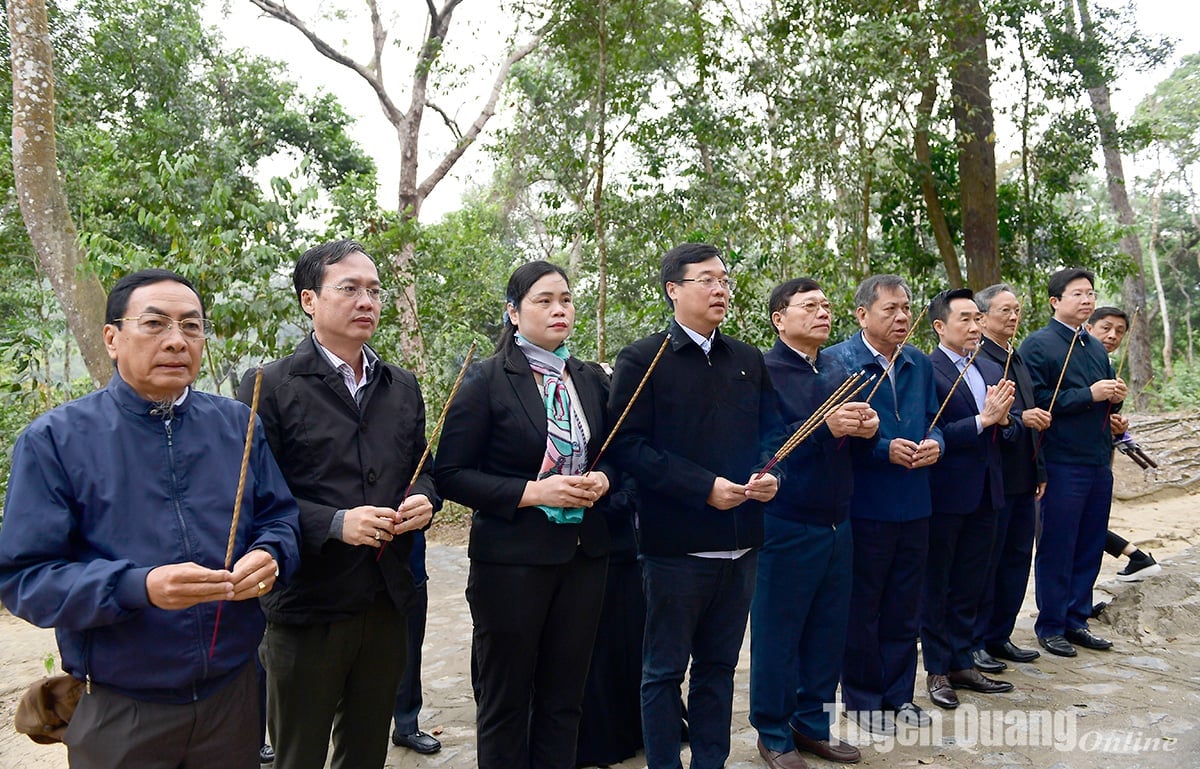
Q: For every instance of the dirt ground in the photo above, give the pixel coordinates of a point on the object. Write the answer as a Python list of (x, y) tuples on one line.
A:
[(1135, 707)]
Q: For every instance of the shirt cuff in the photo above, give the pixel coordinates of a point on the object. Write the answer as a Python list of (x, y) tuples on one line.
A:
[(335, 526)]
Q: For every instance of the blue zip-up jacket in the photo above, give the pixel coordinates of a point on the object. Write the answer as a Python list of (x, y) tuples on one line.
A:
[(884, 491), (1080, 433), (103, 489), (819, 471)]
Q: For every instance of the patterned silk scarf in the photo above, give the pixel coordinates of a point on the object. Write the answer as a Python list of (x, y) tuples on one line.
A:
[(566, 446)]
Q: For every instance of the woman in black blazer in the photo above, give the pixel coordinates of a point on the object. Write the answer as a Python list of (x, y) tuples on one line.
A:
[(515, 448)]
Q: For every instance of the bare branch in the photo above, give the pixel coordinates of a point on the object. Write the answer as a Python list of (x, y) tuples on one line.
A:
[(481, 120), (378, 38), (373, 78), (450, 122)]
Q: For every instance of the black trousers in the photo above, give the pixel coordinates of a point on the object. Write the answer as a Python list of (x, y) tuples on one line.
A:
[(112, 731), (338, 677), (534, 627)]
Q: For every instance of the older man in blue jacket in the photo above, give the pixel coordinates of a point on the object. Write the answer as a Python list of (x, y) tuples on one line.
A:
[(116, 524)]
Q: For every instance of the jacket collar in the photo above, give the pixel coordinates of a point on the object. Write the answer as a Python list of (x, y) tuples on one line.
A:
[(792, 359), (307, 360), (129, 400), (681, 339)]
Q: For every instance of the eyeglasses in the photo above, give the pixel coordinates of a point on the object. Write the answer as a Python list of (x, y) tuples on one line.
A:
[(708, 283), (811, 307), (1082, 295), (153, 324), (374, 293)]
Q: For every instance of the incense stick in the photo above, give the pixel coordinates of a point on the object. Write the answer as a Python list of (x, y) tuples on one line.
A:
[(835, 401), (645, 378), (953, 387)]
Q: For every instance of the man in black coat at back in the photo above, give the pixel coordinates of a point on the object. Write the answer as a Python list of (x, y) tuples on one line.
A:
[(347, 430)]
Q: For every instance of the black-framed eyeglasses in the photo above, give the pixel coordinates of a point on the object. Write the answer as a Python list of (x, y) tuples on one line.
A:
[(709, 283), (374, 293), (154, 324)]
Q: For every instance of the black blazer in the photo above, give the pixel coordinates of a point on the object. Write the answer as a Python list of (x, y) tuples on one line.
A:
[(971, 463), (1024, 466), (493, 441)]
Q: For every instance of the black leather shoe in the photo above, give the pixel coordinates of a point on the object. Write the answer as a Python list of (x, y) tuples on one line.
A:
[(418, 741), (1013, 653), (986, 663), (1081, 636), (1056, 644), (941, 693), (266, 755), (977, 682)]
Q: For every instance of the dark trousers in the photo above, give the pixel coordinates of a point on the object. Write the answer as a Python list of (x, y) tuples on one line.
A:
[(955, 575), (338, 677), (696, 609), (1115, 544), (408, 696), (112, 731), (1007, 571), (1074, 514), (534, 626), (798, 628), (885, 598)]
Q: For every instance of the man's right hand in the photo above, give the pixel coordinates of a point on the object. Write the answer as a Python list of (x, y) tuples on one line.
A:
[(368, 525), (725, 494), (1038, 419), (853, 418), (183, 585), (901, 452)]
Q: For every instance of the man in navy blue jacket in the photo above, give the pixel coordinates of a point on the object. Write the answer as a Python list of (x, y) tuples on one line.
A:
[(115, 531), (694, 440), (1078, 452), (1024, 483), (802, 597), (889, 511), (968, 489)]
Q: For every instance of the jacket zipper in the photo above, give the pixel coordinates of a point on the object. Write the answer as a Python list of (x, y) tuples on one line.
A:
[(184, 533)]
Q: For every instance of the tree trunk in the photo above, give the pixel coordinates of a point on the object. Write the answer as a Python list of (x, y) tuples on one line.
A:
[(1140, 368), (933, 204), (598, 189), (1163, 310), (39, 189), (973, 124)]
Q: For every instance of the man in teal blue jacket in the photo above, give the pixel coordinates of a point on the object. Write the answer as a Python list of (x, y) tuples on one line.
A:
[(115, 530)]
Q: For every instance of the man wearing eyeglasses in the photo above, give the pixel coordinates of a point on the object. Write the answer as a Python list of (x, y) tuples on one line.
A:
[(704, 424), (1074, 380), (348, 429), (116, 525), (802, 598), (1024, 483)]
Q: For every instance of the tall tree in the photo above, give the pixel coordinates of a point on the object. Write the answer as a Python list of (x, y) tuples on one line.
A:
[(408, 123), (39, 187)]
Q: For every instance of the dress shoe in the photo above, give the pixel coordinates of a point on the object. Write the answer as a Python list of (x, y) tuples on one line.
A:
[(940, 691), (911, 715), (972, 679), (1056, 644), (1011, 652), (986, 663), (266, 755), (418, 741), (777, 760), (1098, 609), (873, 721), (831, 749), (1087, 639)]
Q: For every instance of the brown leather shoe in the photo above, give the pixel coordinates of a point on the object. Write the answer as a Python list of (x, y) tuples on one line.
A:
[(777, 760), (941, 693), (830, 749), (977, 682)]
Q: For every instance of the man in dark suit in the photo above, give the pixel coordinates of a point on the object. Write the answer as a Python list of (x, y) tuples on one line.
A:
[(889, 512), (348, 430), (1024, 484), (694, 441), (1071, 368), (802, 599), (968, 489)]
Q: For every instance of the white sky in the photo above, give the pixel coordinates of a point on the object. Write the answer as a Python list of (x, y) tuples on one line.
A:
[(478, 36)]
